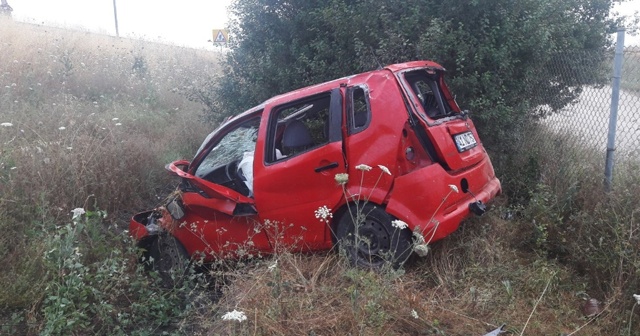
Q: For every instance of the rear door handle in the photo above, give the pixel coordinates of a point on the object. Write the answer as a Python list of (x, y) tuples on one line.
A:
[(326, 167)]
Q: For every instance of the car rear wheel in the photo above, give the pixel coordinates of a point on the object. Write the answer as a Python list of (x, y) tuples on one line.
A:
[(367, 237), (169, 259)]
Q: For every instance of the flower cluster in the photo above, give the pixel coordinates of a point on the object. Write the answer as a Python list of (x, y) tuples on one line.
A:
[(363, 167), (342, 178), (77, 213), (384, 169), (234, 315), (399, 224), (420, 246), (323, 214)]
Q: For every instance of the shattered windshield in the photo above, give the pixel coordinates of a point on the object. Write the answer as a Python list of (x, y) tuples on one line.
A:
[(231, 147)]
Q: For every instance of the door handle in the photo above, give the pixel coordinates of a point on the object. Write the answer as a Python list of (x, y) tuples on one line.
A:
[(326, 167)]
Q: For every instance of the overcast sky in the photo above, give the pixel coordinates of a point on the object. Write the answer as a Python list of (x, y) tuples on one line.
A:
[(181, 22)]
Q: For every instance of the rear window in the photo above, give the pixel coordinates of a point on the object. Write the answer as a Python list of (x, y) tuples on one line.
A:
[(424, 86)]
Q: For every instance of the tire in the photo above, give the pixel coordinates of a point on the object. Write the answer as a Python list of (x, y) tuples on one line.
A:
[(376, 242), (169, 259)]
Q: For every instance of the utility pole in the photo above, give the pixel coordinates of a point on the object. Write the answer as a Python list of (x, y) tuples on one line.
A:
[(5, 9), (115, 16)]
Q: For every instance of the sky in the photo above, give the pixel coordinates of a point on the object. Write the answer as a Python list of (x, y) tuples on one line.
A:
[(182, 22)]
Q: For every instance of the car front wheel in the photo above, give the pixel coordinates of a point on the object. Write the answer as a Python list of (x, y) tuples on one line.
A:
[(170, 259)]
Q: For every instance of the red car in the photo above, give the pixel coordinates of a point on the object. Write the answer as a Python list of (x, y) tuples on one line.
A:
[(380, 163)]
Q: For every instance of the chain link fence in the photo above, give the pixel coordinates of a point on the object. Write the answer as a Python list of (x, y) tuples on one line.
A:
[(584, 124)]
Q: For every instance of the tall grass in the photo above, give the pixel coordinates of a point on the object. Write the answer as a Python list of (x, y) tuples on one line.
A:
[(88, 121), (93, 121), (92, 116)]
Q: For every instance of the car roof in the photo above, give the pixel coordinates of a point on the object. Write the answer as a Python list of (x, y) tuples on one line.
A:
[(326, 86)]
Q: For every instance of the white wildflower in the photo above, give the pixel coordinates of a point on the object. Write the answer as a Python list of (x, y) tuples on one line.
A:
[(323, 214), (62, 128), (235, 316), (384, 169), (114, 119), (414, 314), (422, 250), (342, 178), (118, 124), (77, 212), (399, 224), (273, 266), (6, 124), (637, 297), (453, 187), (12, 168), (363, 167)]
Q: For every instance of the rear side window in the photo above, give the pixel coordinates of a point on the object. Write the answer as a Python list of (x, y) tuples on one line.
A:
[(424, 86), (359, 110)]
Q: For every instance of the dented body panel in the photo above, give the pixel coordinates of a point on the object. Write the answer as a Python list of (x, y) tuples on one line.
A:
[(256, 184)]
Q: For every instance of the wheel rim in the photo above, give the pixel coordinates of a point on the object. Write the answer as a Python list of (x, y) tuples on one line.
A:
[(372, 242), (171, 263)]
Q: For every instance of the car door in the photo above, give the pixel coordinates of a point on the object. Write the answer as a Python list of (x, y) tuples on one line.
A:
[(295, 172)]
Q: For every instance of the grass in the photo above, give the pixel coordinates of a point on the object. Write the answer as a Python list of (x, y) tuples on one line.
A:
[(93, 121)]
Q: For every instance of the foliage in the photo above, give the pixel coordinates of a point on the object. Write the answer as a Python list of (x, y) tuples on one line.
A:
[(102, 293), (80, 277), (87, 121), (497, 52)]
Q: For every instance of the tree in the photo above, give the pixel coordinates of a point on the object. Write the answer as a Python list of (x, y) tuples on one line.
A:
[(499, 53)]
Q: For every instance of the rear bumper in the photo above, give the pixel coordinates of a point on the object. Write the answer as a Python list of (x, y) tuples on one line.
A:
[(426, 199)]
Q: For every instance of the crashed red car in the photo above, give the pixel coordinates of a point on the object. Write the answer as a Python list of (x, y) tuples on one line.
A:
[(380, 164)]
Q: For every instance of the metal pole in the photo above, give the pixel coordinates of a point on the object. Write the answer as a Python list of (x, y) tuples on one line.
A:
[(613, 117), (115, 15)]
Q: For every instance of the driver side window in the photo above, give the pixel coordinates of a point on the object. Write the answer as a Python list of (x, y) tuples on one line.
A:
[(298, 127), (228, 152)]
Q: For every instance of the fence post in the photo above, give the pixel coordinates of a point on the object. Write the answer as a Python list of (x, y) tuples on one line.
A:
[(613, 116)]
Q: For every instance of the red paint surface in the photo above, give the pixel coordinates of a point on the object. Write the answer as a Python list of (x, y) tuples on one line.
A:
[(286, 193)]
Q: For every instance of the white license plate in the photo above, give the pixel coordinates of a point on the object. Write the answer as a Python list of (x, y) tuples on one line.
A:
[(465, 141)]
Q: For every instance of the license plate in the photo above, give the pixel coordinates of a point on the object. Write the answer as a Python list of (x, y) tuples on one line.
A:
[(465, 141)]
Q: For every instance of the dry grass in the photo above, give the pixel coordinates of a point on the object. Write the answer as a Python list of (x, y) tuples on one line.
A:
[(91, 122), (92, 115), (470, 284), (530, 270)]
